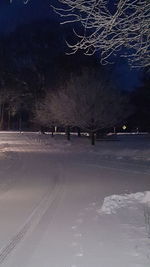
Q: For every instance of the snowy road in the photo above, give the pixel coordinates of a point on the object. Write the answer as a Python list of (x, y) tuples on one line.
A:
[(49, 203)]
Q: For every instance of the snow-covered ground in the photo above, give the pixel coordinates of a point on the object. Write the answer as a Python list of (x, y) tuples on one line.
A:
[(68, 204)]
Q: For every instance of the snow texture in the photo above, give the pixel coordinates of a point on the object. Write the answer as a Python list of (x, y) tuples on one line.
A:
[(114, 202), (67, 204)]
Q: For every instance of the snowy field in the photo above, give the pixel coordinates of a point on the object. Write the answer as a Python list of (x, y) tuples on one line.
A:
[(69, 204)]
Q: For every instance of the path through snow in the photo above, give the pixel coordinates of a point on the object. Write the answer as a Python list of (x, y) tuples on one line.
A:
[(62, 206)]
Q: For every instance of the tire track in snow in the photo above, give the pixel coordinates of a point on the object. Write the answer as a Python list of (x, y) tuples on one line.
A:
[(48, 201)]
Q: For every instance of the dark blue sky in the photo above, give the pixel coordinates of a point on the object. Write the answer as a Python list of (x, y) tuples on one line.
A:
[(12, 15)]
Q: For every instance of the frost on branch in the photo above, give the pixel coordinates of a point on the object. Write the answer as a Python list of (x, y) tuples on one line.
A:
[(109, 26), (89, 101)]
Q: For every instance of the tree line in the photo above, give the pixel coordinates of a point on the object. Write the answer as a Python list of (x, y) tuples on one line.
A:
[(41, 86)]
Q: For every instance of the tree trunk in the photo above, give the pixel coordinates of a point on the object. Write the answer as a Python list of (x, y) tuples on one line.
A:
[(2, 117), (9, 116), (68, 133), (53, 130), (79, 131), (20, 122), (92, 139), (42, 130)]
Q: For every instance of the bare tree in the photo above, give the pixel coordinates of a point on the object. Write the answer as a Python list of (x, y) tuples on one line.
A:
[(109, 26), (90, 102), (43, 115)]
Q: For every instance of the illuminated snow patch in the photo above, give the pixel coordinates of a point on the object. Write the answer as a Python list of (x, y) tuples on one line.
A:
[(114, 202)]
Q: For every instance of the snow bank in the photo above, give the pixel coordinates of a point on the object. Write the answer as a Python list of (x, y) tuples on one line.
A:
[(114, 202), (146, 198), (129, 201)]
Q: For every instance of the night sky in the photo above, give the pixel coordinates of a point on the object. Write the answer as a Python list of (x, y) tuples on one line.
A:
[(12, 15), (15, 14)]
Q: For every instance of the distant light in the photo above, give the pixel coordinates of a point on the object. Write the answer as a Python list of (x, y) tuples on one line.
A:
[(124, 127)]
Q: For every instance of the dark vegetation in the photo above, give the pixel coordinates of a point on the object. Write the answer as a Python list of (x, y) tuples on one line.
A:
[(41, 87)]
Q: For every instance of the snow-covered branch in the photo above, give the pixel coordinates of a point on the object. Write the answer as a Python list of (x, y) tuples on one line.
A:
[(90, 102), (111, 26)]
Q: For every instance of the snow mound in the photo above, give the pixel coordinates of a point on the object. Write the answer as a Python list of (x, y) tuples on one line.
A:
[(146, 198), (114, 202)]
